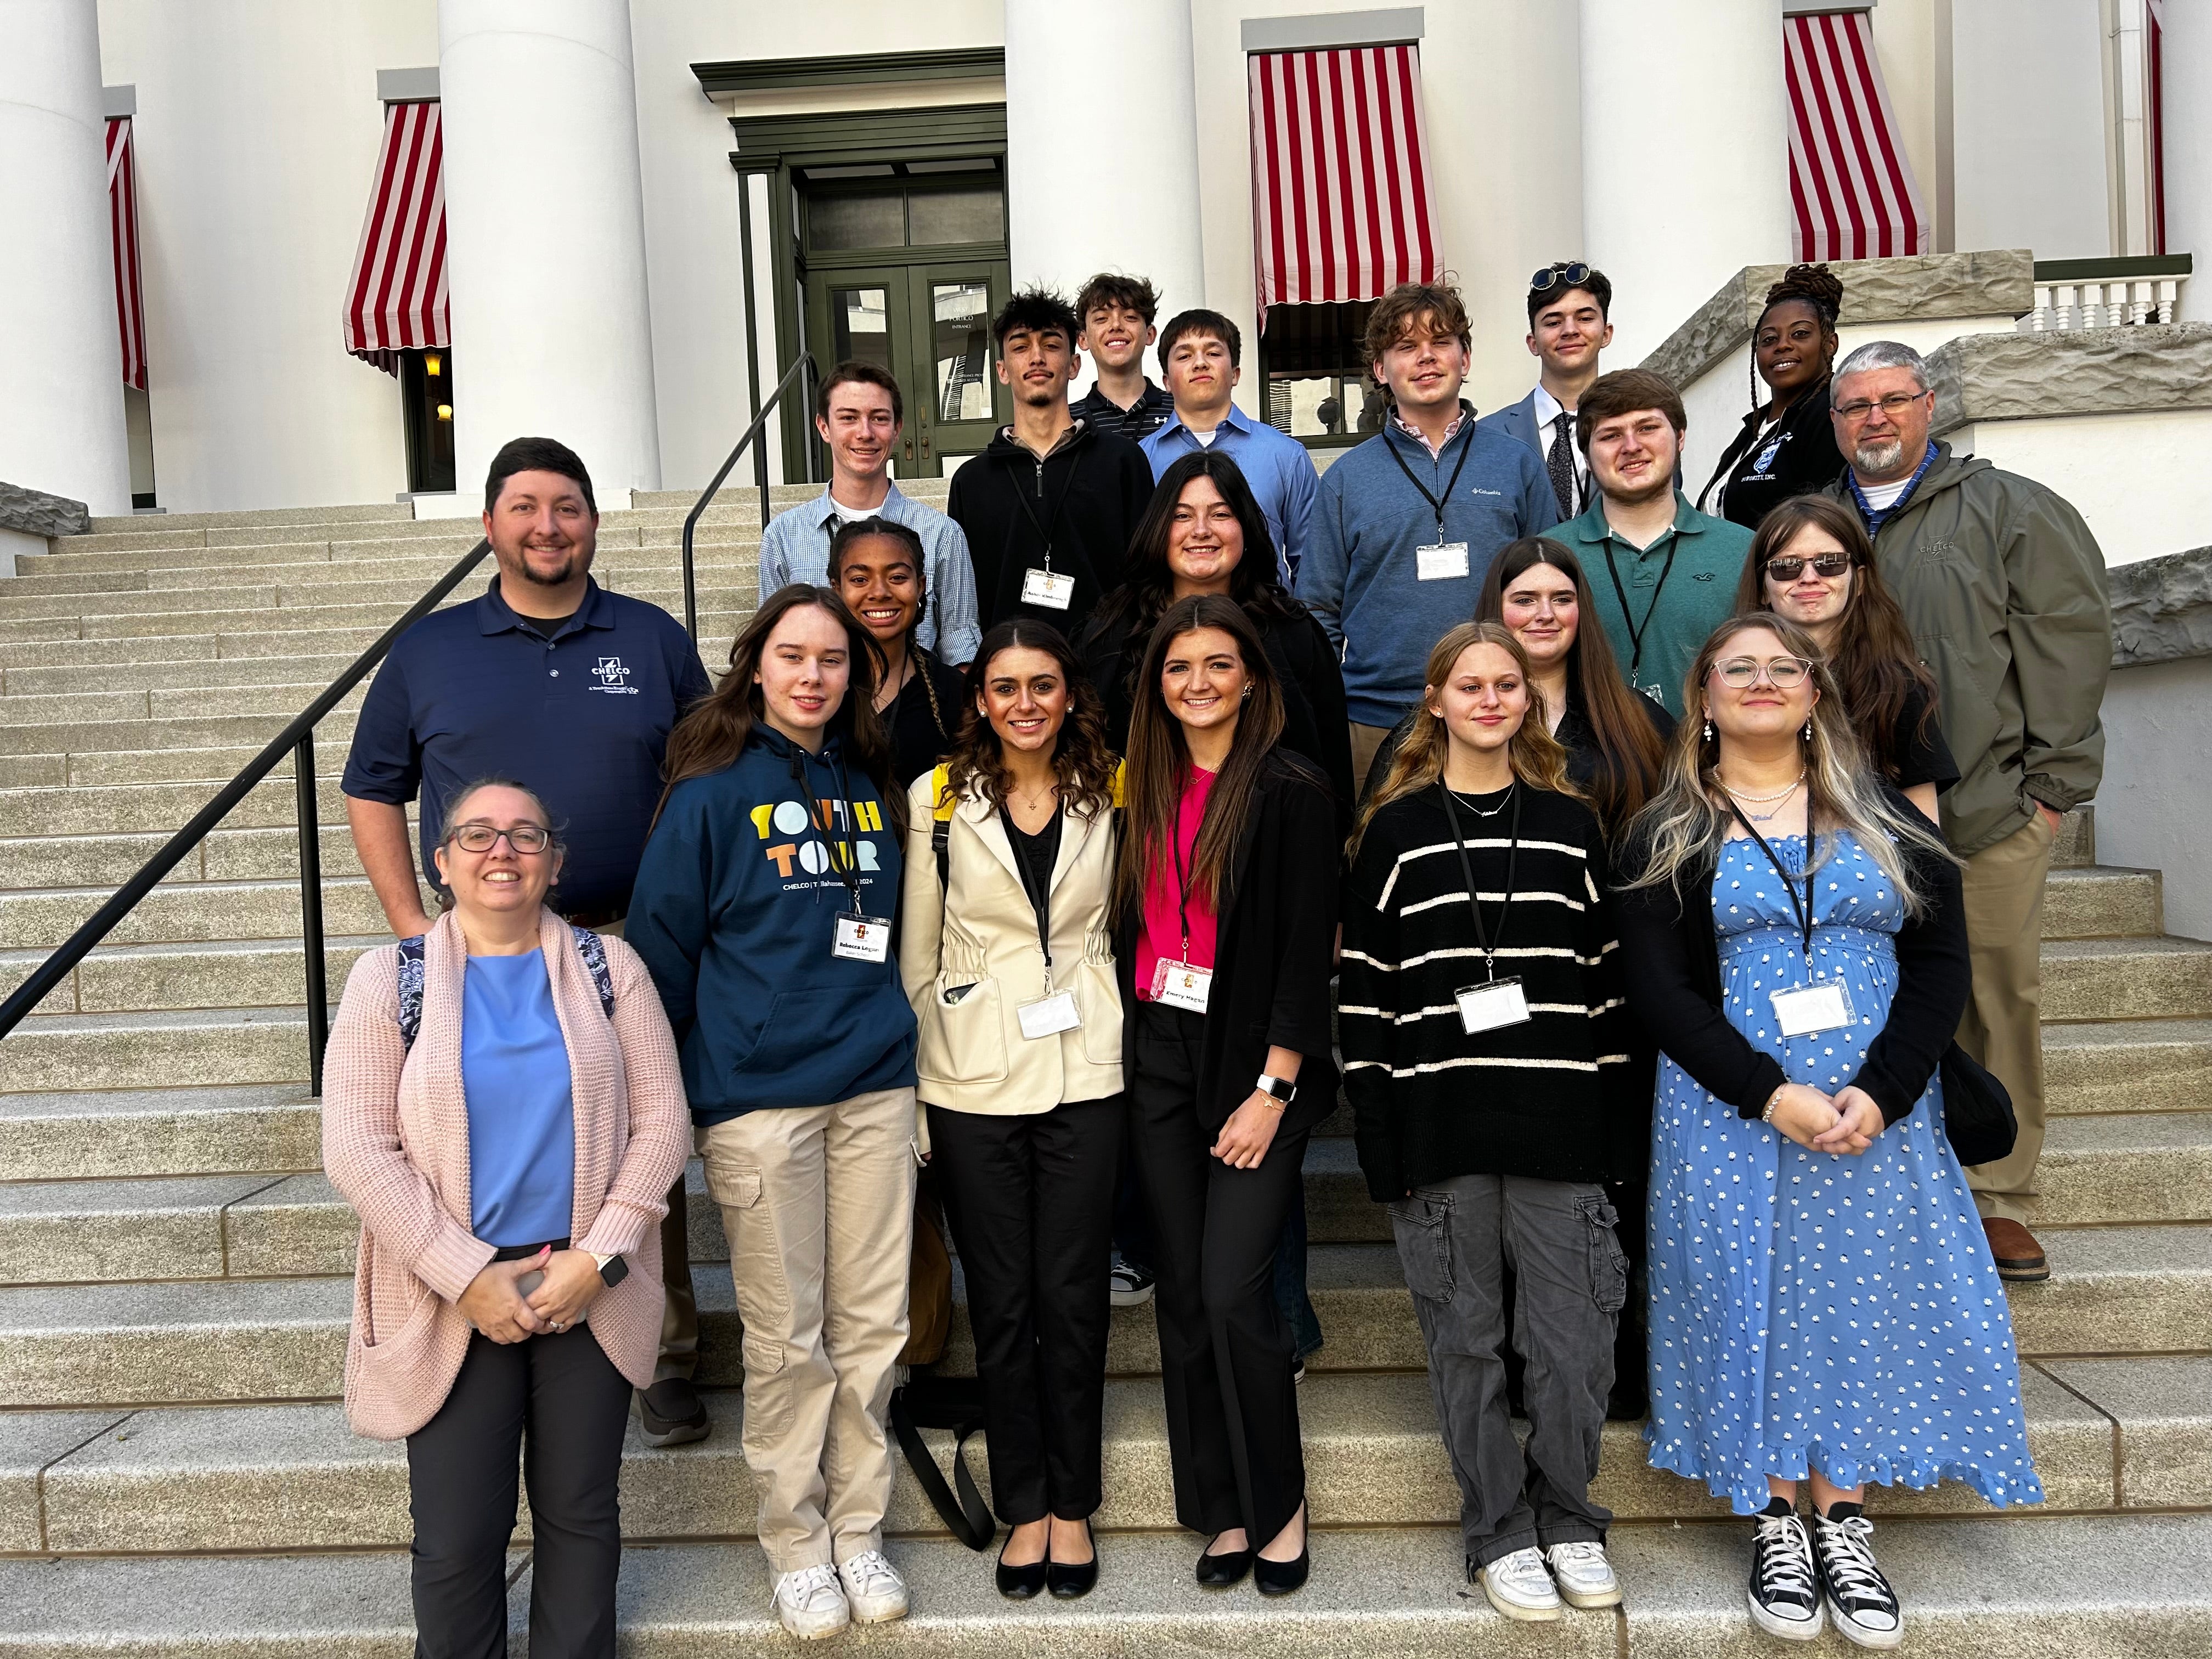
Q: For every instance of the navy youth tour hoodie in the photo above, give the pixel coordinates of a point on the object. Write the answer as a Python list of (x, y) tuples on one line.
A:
[(734, 914)]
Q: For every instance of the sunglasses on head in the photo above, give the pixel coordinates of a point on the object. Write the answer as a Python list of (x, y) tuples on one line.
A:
[(1567, 276), (1788, 569)]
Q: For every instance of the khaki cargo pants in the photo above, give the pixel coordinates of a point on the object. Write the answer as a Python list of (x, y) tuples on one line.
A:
[(818, 1205), (2003, 1024)]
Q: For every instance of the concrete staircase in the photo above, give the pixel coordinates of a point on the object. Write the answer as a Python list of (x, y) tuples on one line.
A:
[(175, 1478)]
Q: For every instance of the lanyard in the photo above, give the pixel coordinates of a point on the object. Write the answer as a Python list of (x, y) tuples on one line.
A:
[(1467, 874), (1051, 521), (1183, 881), (1434, 500), (1803, 912), (1876, 517), (1636, 634), (1041, 901), (819, 812)]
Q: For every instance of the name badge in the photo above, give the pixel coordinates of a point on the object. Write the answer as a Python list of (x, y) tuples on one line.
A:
[(1440, 561), (1486, 1007), (1052, 589), (862, 938), (1181, 985), (1049, 1016), (1811, 1008)]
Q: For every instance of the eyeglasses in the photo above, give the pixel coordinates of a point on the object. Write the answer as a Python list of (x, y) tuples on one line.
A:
[(1783, 673), (1573, 274), (1893, 405), (524, 838), (1788, 568)]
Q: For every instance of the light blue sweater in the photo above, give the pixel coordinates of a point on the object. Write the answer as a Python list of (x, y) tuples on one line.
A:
[(1359, 574)]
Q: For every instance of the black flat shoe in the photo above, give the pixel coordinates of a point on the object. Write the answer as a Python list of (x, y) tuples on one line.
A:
[(1281, 1577), (1067, 1582), (1020, 1584), (1220, 1572)]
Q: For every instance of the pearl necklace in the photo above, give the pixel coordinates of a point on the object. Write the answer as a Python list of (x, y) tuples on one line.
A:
[(1761, 800)]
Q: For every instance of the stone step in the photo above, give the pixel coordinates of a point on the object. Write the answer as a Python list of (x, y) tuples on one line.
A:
[(2111, 1169), (158, 808), (198, 681), (211, 1048), (155, 978), (227, 854), (146, 548), (174, 734), (95, 1135), (2128, 1065), (2163, 978), (356, 514), (2114, 1291), (2098, 903), (200, 912), (293, 1476), (2087, 1588)]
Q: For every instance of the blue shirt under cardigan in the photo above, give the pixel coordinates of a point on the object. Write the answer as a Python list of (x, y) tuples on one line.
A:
[(1360, 575), (1275, 465), (522, 1129)]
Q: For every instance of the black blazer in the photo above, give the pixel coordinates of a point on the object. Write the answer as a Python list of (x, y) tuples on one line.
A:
[(1670, 948), (1273, 943), (1805, 460)]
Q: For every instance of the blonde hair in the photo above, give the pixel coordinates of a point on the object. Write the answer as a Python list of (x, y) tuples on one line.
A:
[(1684, 824), (1537, 757)]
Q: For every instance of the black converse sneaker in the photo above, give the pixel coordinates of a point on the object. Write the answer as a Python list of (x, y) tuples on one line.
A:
[(1785, 1593), (1859, 1598)]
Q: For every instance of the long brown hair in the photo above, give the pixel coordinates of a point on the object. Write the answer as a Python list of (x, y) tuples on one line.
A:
[(714, 731), (1875, 661), (1537, 758), (1081, 760), (1159, 760), (1685, 823), (1631, 754)]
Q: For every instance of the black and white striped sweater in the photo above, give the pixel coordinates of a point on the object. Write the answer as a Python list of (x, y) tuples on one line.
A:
[(1553, 1098)]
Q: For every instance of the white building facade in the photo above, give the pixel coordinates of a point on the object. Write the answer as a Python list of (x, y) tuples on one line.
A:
[(645, 209)]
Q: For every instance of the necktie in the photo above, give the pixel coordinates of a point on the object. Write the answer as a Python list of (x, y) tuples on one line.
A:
[(1560, 462)]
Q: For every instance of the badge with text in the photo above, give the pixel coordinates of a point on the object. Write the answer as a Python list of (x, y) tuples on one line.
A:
[(1811, 1008), (1049, 1016), (1486, 1007), (862, 938), (1440, 560), (1181, 985), (1052, 589)]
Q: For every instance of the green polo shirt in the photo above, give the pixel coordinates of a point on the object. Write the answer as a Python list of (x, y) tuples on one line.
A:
[(1671, 615)]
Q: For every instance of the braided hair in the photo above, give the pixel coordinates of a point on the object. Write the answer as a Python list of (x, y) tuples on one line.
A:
[(859, 530), (1817, 286)]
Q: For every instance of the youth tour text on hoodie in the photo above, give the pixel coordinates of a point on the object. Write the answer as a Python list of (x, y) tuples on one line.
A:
[(735, 913)]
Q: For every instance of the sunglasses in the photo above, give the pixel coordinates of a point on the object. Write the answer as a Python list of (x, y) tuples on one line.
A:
[(1788, 569), (1567, 276)]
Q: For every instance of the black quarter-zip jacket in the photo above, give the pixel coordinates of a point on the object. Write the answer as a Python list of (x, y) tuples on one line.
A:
[(1082, 501)]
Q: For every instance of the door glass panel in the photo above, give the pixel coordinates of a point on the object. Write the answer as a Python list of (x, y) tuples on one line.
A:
[(944, 216), (872, 220), (860, 326), (960, 328)]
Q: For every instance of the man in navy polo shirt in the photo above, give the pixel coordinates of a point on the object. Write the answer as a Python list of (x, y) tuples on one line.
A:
[(571, 690)]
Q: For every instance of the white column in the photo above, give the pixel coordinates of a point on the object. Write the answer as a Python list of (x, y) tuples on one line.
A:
[(1685, 154), (1101, 170), (2186, 106), (545, 237), (61, 418)]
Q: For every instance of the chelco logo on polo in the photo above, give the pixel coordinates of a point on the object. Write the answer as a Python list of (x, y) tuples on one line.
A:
[(613, 677)]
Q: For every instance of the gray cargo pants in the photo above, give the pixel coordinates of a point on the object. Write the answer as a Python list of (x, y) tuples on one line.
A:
[(1557, 1236)]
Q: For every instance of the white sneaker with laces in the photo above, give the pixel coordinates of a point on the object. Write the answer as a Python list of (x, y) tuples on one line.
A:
[(1519, 1588), (1860, 1601), (873, 1588), (809, 1603), (1583, 1576), (1785, 1593)]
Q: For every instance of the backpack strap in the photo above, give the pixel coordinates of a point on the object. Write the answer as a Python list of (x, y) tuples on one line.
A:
[(1120, 784), (940, 823), (594, 950), (411, 989)]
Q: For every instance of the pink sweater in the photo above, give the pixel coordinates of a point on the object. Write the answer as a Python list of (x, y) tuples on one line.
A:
[(395, 1143)]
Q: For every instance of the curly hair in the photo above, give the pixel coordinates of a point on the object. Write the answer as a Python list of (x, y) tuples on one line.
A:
[(1081, 760), (1817, 287)]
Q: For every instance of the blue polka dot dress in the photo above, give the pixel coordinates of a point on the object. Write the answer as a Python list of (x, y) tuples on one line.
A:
[(1816, 1310)]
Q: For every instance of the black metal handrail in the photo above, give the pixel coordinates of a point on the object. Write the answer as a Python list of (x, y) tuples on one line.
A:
[(803, 368), (298, 740)]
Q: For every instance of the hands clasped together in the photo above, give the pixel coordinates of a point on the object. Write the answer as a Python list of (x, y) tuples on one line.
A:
[(495, 1304), (1845, 1122)]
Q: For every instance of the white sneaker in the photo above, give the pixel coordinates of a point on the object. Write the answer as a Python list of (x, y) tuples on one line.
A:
[(1583, 1576), (809, 1603), (872, 1588), (1519, 1588)]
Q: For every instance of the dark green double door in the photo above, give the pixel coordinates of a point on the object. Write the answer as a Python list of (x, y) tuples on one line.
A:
[(929, 325)]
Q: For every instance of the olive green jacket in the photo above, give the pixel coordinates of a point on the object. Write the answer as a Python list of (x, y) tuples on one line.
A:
[(2003, 587)]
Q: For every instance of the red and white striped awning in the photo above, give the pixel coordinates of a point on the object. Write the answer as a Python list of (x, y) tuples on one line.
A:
[(122, 229), (1342, 207), (397, 300), (1850, 182)]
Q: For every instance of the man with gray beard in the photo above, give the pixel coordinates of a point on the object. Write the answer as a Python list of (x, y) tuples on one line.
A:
[(2004, 589)]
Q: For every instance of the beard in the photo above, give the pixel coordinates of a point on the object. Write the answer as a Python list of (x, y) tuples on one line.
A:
[(572, 564), (1879, 456)]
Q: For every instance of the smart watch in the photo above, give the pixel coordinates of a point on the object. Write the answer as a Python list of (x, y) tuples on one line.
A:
[(1281, 1087), (612, 1269)]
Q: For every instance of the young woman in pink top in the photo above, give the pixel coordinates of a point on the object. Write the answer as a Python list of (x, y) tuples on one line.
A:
[(1227, 898)]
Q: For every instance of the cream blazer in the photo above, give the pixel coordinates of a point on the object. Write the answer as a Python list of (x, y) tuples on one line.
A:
[(981, 931)]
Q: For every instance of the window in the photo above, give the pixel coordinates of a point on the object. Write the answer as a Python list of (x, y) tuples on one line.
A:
[(426, 386), (841, 217), (1318, 387)]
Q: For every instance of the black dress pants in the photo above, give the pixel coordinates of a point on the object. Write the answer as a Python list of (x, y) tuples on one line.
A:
[(1226, 1353), (1031, 1199), (559, 1402)]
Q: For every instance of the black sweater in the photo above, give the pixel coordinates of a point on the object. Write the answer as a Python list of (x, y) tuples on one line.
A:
[(1803, 459), (1554, 1097), (925, 717), (1271, 953), (1671, 950), (1083, 500)]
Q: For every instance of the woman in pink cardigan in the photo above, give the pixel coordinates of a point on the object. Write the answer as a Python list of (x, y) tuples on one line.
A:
[(502, 1109)]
